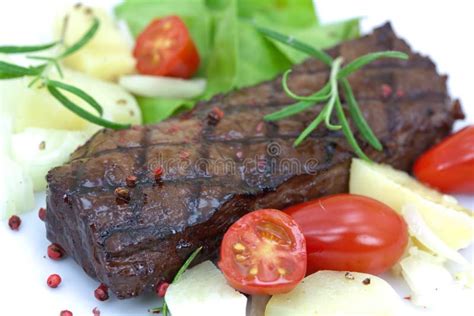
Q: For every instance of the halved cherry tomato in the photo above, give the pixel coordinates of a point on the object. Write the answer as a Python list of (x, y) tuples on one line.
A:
[(165, 48), (264, 252), (348, 232), (449, 166)]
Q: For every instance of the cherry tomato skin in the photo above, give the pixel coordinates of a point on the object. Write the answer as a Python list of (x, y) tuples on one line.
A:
[(264, 252), (449, 165), (346, 232), (165, 48)]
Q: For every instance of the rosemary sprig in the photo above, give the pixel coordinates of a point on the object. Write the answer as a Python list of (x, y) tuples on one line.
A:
[(164, 308), (330, 94), (40, 74)]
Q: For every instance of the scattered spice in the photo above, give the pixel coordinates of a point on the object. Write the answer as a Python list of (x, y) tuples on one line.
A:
[(184, 154), (400, 93), (131, 181), (349, 276), (65, 313), (122, 194), (259, 127), (408, 298), (161, 288), (66, 198), (366, 281), (102, 292), (88, 11), (96, 311), (386, 91), (42, 145), (121, 102), (215, 115), (158, 172), (53, 281), (42, 213), (14, 222), (55, 252), (131, 112), (173, 129), (78, 5)]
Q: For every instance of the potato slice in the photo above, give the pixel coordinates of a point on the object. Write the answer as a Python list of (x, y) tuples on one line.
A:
[(452, 223), (107, 56), (16, 189), (204, 290), (38, 150), (35, 107), (331, 293), (426, 276)]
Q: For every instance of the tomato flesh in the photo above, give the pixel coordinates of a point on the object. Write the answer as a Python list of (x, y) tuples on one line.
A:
[(263, 253), (347, 232), (449, 166), (165, 48)]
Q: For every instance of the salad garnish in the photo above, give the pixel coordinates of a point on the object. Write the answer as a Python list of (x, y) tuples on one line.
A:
[(40, 74), (330, 93), (164, 308)]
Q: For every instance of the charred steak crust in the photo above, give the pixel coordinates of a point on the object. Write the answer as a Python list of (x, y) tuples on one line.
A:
[(219, 163)]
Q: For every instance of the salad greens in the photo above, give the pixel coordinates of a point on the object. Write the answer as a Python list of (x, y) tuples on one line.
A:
[(233, 53)]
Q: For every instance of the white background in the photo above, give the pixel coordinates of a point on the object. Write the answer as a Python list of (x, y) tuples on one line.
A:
[(441, 29)]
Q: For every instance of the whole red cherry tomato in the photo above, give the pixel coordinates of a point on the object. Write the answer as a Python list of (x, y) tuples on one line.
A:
[(348, 232), (264, 252), (165, 48), (449, 165)]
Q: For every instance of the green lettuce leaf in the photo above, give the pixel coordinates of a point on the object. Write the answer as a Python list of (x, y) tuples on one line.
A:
[(233, 54)]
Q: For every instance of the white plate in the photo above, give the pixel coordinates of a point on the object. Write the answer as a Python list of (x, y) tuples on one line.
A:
[(437, 28)]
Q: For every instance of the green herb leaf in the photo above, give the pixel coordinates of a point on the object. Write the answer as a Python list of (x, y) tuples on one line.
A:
[(321, 95), (81, 112), (186, 264), (334, 93), (360, 62), (290, 41), (25, 49), (358, 117), (164, 308), (346, 129), (78, 92), (82, 41), (289, 111), (8, 70), (311, 127)]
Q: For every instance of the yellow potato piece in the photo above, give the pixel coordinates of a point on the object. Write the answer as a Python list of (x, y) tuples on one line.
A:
[(335, 293), (107, 56), (35, 107), (451, 222)]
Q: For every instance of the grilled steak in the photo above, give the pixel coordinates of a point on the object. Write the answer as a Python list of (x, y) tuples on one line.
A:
[(222, 160)]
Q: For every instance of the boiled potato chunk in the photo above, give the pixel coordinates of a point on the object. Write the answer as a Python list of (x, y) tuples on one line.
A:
[(426, 276), (16, 189), (203, 290), (35, 107), (452, 223), (107, 56), (335, 293), (38, 150)]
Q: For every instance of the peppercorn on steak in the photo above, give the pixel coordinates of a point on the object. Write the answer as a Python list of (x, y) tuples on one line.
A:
[(130, 206)]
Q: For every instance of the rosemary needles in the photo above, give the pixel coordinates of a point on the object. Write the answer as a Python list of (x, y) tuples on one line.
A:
[(40, 74), (330, 94)]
